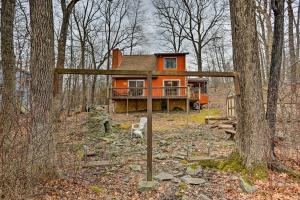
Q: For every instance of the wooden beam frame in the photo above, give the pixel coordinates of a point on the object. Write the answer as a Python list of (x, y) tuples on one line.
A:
[(149, 75), (149, 127), (143, 72)]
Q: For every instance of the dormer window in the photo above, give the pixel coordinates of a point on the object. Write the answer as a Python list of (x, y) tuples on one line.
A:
[(170, 63)]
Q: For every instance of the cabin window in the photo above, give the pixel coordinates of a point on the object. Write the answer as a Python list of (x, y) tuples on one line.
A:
[(204, 87), (170, 63), (136, 87), (171, 88)]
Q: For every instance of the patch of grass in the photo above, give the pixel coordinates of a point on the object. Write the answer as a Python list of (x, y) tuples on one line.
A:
[(184, 162), (179, 194), (97, 189), (232, 164), (80, 154), (200, 117), (182, 186), (259, 173), (125, 126), (235, 164), (194, 166)]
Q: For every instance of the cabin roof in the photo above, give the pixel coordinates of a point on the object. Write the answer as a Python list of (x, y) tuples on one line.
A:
[(171, 54), (138, 62), (197, 80)]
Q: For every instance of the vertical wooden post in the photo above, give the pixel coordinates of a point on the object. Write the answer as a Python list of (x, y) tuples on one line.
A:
[(199, 97), (187, 121), (55, 84), (107, 98), (168, 105), (127, 106), (149, 127)]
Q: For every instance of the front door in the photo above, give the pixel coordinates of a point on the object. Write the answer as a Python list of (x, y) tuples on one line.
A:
[(136, 87), (171, 88)]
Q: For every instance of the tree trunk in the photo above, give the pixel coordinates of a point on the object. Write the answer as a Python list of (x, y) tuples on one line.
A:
[(8, 66), (253, 134), (293, 63), (42, 66), (199, 57), (93, 89), (84, 88), (275, 68), (61, 48)]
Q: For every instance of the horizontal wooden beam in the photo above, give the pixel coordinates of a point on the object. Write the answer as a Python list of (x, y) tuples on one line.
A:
[(143, 72)]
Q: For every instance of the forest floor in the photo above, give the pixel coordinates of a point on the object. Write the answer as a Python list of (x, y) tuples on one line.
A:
[(116, 164)]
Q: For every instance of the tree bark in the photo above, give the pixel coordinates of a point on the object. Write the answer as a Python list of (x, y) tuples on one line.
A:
[(253, 134), (8, 67), (293, 63), (42, 150), (84, 88), (275, 68)]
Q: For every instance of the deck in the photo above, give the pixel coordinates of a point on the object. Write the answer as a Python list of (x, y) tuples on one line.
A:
[(157, 93)]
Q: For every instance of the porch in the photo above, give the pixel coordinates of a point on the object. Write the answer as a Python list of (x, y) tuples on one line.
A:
[(157, 93)]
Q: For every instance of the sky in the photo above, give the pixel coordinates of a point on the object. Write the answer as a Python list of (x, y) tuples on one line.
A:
[(150, 28)]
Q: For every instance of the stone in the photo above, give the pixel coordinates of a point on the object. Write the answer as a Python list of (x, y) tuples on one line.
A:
[(147, 185), (179, 157), (163, 143), (198, 158), (135, 167), (178, 173), (126, 179), (102, 163), (194, 171), (203, 197), (234, 178), (185, 197), (192, 181), (176, 180), (163, 176), (161, 156), (247, 187)]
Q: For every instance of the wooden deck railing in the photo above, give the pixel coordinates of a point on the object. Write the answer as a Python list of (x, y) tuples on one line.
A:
[(140, 93)]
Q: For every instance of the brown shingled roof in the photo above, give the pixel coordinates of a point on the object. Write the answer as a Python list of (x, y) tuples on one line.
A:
[(138, 62)]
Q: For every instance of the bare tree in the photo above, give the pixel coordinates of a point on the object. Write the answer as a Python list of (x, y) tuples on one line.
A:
[(42, 66), (114, 13), (253, 138), (172, 33), (263, 9), (8, 67), (201, 24), (67, 11), (275, 68), (293, 60), (135, 17), (83, 23), (96, 65)]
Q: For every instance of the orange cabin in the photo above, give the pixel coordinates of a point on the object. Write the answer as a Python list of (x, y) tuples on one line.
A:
[(170, 90)]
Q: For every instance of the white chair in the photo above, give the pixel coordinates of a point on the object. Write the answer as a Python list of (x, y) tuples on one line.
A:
[(139, 129)]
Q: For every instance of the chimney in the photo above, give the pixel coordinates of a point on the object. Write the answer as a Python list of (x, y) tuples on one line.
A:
[(116, 58)]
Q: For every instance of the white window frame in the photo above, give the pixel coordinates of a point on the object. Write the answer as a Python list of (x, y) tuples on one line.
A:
[(165, 63), (136, 81), (179, 85)]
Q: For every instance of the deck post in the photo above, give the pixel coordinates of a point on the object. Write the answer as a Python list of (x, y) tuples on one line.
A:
[(127, 104), (107, 99), (168, 105), (187, 121), (149, 127), (199, 97)]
